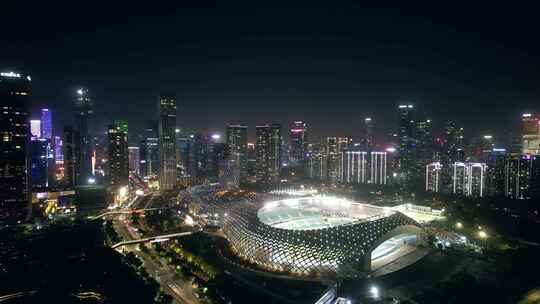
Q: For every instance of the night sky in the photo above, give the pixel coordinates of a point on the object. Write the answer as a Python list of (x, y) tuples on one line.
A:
[(328, 65)]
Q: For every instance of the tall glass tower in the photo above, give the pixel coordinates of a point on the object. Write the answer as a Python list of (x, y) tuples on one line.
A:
[(167, 142), (46, 124), (237, 150), (84, 108), (298, 146), (14, 147)]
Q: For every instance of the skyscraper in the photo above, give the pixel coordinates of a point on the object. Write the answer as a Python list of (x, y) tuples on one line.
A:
[(167, 142), (237, 149), (469, 178), (133, 159), (150, 149), (46, 124), (433, 176), (298, 140), (530, 131), (35, 128), (14, 129), (72, 156), (59, 169), (39, 148), (262, 151), (333, 158), (368, 136), (406, 144), (275, 156), (424, 150), (495, 182), (118, 154), (84, 112), (523, 176), (453, 150)]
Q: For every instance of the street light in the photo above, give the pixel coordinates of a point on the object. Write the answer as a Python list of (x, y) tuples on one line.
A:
[(482, 234), (459, 225)]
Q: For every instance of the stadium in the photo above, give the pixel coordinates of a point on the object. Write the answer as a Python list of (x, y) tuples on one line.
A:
[(320, 236)]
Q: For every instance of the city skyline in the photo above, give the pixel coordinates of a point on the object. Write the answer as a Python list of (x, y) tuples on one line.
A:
[(358, 62), (229, 152)]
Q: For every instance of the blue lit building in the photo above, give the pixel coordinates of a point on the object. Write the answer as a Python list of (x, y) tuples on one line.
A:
[(46, 124), (39, 148)]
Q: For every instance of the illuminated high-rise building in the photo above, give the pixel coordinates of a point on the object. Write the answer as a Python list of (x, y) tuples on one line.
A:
[(59, 169), (149, 150), (35, 128), (406, 142), (342, 144), (118, 172), (453, 150), (14, 147), (275, 157), (469, 178), (530, 131), (84, 113), (134, 159), (523, 176), (316, 163), (424, 142), (58, 149), (237, 150), (495, 182), (333, 158), (433, 176), (46, 124), (167, 142), (39, 148), (298, 140), (262, 151), (362, 167), (378, 168), (72, 156), (368, 135), (355, 167), (268, 153)]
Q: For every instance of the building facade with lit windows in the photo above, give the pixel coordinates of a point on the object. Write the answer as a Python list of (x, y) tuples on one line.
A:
[(298, 141), (362, 167), (72, 157), (237, 150), (469, 178), (14, 145), (433, 176), (46, 124), (118, 174), (35, 128), (530, 134), (84, 114), (134, 159), (167, 142), (523, 176), (39, 166)]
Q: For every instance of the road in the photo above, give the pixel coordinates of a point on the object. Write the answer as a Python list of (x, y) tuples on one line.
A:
[(150, 239), (180, 290)]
